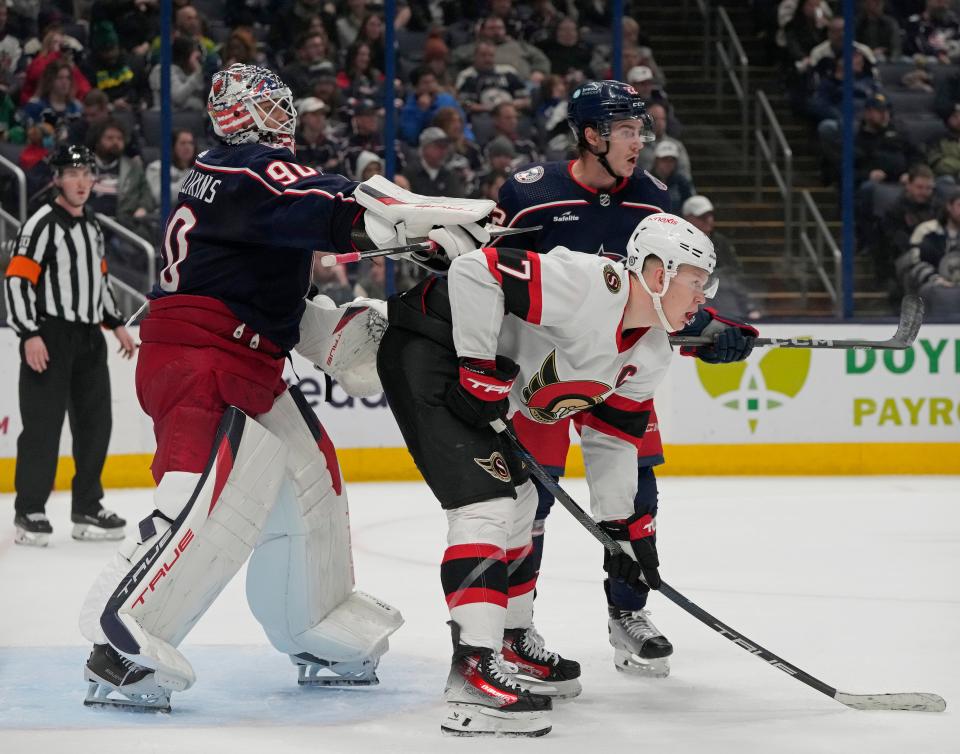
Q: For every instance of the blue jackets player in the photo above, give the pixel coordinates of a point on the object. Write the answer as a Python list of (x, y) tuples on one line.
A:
[(592, 204)]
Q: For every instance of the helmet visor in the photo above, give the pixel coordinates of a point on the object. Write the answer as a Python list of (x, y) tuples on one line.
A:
[(694, 280), (638, 128)]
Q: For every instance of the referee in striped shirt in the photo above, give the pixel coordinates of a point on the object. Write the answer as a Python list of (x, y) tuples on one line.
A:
[(58, 297)]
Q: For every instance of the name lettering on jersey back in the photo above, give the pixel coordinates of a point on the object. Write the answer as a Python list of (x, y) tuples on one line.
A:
[(200, 186)]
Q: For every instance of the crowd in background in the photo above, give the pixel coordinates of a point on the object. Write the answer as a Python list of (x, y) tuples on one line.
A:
[(906, 101)]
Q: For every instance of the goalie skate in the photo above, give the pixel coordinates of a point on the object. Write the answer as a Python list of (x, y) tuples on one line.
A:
[(115, 681), (539, 670), (639, 647), (102, 525), (32, 529), (314, 671)]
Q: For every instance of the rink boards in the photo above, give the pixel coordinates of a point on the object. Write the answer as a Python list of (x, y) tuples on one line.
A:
[(784, 411)]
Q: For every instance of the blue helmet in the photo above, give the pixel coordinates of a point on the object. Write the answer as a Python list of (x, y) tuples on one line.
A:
[(599, 103)]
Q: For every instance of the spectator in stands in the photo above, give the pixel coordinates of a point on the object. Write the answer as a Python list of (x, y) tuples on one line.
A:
[(109, 69), (551, 118), (436, 59), (487, 83), (734, 298), (640, 77), (646, 58), (297, 18), (325, 88), (350, 22), (882, 154), (183, 154), (55, 104), (566, 51), (935, 238), (331, 281), (465, 156), (527, 61), (371, 32), (372, 280), (359, 77), (313, 61), (366, 134), (368, 165), (136, 22), (187, 88), (430, 175), (513, 18), (10, 51), (422, 104), (501, 158), (935, 32), (40, 142), (658, 113), (241, 47), (490, 185), (914, 206), (931, 268), (944, 155), (826, 106), (506, 124), (315, 145), (824, 57), (96, 110), (665, 157), (53, 47), (188, 24), (540, 22), (121, 188), (878, 31), (806, 30)]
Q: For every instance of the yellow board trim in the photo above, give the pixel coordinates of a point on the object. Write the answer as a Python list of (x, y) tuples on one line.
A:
[(824, 459)]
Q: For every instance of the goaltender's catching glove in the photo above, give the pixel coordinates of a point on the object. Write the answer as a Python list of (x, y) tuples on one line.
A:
[(732, 340), (637, 536), (481, 395)]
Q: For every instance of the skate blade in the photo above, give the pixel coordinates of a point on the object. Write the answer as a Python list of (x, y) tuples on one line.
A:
[(631, 664), (87, 533), (474, 720), (30, 539), (313, 675), (98, 695), (559, 691)]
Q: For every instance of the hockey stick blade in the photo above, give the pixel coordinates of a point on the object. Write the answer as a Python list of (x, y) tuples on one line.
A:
[(913, 702), (919, 702), (911, 317)]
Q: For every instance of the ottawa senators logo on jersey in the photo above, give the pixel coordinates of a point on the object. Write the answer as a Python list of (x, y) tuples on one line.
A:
[(611, 278), (495, 466), (550, 399)]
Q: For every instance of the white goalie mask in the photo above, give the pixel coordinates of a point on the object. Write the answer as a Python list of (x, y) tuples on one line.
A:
[(675, 242), (249, 104)]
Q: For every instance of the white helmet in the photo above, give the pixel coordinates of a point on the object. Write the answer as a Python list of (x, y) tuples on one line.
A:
[(233, 107), (674, 241)]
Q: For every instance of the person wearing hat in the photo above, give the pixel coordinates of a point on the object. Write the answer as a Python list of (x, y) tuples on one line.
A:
[(943, 155), (315, 146), (366, 134), (63, 352), (641, 78), (430, 175), (665, 159), (368, 164), (112, 71)]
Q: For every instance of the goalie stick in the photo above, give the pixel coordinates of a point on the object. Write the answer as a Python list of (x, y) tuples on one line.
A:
[(911, 317), (915, 701)]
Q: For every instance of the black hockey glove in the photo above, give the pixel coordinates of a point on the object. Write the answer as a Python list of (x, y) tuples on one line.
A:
[(638, 535), (481, 395), (732, 340)]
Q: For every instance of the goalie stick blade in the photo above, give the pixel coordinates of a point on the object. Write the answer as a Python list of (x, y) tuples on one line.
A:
[(914, 702)]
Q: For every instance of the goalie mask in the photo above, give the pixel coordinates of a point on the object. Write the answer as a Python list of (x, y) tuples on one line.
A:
[(248, 104), (675, 242)]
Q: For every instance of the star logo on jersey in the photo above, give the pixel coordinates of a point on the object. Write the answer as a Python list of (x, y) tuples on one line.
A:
[(495, 466), (755, 388), (612, 279), (550, 399)]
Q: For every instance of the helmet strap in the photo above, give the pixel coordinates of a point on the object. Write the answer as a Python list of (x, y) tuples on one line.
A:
[(657, 299), (602, 158)]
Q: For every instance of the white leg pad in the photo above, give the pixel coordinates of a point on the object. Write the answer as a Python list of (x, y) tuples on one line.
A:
[(203, 530), (300, 578)]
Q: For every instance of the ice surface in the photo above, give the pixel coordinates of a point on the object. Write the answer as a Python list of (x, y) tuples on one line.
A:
[(854, 580)]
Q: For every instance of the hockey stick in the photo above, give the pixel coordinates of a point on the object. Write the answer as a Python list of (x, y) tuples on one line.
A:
[(920, 702), (911, 317), (422, 247)]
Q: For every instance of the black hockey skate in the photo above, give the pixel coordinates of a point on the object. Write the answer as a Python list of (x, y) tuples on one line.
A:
[(484, 699), (639, 647), (101, 525), (539, 670), (32, 529), (108, 672)]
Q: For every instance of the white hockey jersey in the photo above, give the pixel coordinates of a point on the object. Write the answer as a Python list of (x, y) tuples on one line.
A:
[(565, 331)]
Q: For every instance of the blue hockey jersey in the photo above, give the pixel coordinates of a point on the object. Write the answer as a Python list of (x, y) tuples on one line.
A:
[(247, 221), (574, 215)]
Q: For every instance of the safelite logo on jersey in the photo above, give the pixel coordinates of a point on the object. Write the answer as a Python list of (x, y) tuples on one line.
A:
[(755, 387)]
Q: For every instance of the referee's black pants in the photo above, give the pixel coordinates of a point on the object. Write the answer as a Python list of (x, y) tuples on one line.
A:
[(77, 383)]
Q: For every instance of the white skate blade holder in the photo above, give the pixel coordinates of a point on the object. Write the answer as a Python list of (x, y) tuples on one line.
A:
[(630, 663), (476, 720), (152, 699), (559, 691), (31, 539)]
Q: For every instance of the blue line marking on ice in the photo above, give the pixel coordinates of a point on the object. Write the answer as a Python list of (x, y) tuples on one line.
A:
[(43, 688)]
